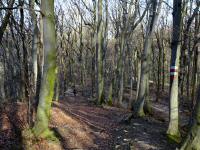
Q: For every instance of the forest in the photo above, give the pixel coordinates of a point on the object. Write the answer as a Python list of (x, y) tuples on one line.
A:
[(99, 74)]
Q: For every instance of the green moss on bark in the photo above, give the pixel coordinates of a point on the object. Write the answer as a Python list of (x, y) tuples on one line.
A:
[(139, 109), (174, 138), (140, 113)]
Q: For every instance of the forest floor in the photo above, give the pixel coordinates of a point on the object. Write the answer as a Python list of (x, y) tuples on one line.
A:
[(80, 124)]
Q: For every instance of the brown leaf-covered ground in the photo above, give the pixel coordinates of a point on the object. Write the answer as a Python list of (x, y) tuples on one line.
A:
[(80, 124)]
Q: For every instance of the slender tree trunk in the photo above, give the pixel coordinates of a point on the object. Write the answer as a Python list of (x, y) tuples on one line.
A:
[(25, 62), (105, 43), (122, 56), (99, 49), (163, 66), (93, 73), (116, 72), (35, 41), (131, 66), (2, 77), (110, 94), (56, 87), (159, 66), (138, 77), (81, 61), (195, 59), (33, 64)]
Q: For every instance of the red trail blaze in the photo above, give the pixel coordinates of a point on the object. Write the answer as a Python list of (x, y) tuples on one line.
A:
[(173, 72)]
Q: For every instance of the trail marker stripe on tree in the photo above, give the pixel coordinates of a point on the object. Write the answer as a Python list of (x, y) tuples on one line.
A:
[(173, 72)]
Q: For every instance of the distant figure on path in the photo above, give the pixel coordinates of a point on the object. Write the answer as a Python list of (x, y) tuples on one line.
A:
[(74, 90)]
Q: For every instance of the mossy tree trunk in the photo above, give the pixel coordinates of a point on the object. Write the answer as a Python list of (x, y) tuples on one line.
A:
[(173, 131), (47, 82)]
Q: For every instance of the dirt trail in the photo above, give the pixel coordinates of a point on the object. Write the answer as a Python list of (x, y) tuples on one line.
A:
[(82, 125)]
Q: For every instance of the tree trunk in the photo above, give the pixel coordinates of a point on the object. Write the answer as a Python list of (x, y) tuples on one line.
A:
[(99, 49), (173, 131), (138, 77), (40, 63), (34, 67), (159, 66), (47, 82), (142, 93), (195, 59), (163, 66), (2, 77), (122, 53), (35, 41)]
